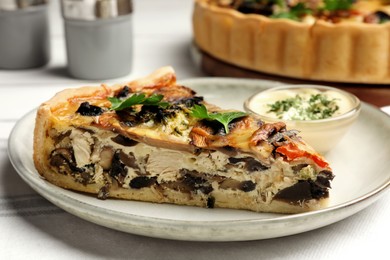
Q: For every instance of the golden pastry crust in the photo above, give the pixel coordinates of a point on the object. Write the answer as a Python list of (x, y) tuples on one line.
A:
[(342, 52)]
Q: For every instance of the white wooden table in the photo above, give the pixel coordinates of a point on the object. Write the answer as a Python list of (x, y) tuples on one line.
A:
[(32, 227)]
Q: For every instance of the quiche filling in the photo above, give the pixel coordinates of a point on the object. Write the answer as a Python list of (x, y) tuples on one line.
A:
[(201, 161), (93, 156), (308, 11)]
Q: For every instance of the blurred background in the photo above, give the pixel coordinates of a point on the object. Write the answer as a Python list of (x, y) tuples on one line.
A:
[(158, 41)]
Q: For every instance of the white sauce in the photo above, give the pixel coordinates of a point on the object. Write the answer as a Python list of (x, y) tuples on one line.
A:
[(261, 103), (322, 135)]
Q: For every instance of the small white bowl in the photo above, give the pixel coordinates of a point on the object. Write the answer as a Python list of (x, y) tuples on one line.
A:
[(321, 134)]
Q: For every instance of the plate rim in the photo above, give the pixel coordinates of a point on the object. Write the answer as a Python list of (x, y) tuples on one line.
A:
[(366, 199)]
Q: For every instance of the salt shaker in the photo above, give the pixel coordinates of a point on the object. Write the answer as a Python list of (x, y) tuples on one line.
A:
[(99, 40), (24, 34)]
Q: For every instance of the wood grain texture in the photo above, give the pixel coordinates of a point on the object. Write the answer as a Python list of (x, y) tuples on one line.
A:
[(378, 95)]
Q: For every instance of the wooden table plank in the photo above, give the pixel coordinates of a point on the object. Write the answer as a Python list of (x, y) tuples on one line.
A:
[(378, 95)]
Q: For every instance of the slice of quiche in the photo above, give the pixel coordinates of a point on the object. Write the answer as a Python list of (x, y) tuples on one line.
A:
[(156, 141)]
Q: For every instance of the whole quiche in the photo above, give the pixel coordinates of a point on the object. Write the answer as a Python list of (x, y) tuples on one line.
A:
[(326, 40)]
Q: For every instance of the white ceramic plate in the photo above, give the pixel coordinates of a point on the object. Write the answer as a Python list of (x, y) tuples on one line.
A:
[(386, 109), (360, 162)]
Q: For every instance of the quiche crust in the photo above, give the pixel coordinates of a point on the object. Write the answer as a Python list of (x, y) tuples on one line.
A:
[(342, 52)]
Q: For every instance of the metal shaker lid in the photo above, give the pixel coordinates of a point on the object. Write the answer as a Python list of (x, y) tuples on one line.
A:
[(11, 5), (95, 9)]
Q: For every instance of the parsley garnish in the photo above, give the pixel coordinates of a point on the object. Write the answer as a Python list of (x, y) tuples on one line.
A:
[(294, 13), (137, 99), (200, 111), (318, 106), (334, 5), (293, 10)]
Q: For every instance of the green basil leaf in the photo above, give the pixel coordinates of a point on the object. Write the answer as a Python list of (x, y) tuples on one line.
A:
[(224, 117)]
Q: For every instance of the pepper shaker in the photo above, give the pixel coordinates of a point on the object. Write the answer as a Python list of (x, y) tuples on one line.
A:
[(24, 34), (99, 41)]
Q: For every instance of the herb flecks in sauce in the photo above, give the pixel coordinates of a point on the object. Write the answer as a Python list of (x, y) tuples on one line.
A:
[(317, 106)]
